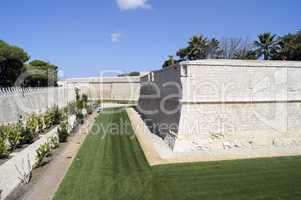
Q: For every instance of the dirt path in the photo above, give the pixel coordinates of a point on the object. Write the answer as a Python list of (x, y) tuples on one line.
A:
[(47, 185)]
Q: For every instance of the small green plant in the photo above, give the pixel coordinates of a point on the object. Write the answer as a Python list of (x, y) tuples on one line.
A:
[(54, 142), (3, 145), (47, 120), (56, 115), (85, 98), (79, 104), (26, 136), (42, 152), (32, 125), (14, 135), (80, 117), (71, 108), (40, 124), (64, 112), (63, 132), (77, 96)]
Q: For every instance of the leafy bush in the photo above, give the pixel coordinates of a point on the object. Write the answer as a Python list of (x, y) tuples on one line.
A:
[(27, 136), (80, 117), (56, 115), (85, 98), (40, 124), (47, 120), (53, 142), (63, 132), (79, 104), (71, 108), (42, 152), (3, 148), (32, 124), (64, 112), (77, 96), (3, 145), (52, 117), (14, 135)]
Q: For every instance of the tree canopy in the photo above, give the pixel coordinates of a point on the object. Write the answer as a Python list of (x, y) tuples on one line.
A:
[(130, 74), (200, 47), (41, 74), (268, 46), (15, 72), (288, 47), (11, 63)]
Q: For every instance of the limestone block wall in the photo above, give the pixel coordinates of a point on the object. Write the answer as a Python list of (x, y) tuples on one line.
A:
[(108, 88), (234, 104), (15, 101)]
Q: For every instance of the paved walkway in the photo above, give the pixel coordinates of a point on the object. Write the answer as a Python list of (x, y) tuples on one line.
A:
[(46, 187)]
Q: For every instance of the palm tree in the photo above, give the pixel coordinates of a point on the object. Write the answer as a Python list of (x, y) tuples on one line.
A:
[(289, 47), (183, 54), (170, 61), (197, 47), (214, 50), (266, 45), (244, 54)]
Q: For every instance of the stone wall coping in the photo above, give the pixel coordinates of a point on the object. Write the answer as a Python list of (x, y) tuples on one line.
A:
[(126, 79), (18, 90), (243, 63)]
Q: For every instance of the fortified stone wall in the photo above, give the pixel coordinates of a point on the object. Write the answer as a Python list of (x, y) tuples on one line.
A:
[(15, 101), (231, 104), (108, 88)]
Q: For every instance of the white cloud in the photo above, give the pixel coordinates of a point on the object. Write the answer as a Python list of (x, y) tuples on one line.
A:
[(115, 37), (132, 4)]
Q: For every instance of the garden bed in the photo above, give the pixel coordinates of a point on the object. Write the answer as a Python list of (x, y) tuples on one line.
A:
[(46, 179), (22, 162)]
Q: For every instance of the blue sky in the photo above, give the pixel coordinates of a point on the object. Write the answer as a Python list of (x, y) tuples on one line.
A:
[(85, 37)]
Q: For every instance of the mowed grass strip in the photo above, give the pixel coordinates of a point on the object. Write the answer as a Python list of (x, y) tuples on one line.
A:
[(111, 165)]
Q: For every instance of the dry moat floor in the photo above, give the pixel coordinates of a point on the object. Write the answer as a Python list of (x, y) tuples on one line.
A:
[(113, 166)]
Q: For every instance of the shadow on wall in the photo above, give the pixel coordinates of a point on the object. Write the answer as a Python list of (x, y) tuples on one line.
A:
[(159, 104)]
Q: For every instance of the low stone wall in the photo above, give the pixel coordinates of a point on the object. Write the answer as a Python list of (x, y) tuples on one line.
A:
[(15, 101), (9, 174)]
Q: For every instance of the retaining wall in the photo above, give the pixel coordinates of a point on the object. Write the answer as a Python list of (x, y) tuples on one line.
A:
[(15, 101), (227, 104)]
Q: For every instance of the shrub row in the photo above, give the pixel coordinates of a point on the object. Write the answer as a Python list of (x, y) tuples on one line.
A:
[(13, 136), (45, 150), (27, 131), (78, 109)]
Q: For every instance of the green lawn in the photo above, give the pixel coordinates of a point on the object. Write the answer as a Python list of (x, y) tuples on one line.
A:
[(115, 168)]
